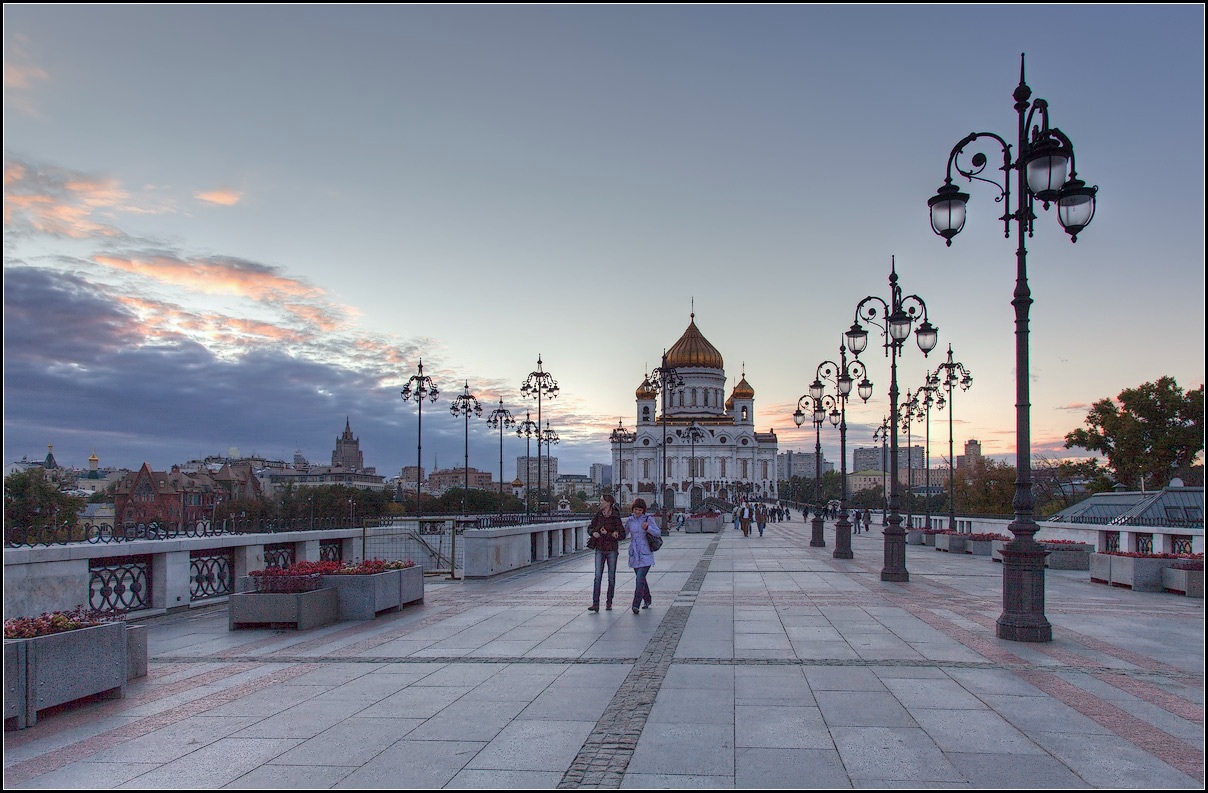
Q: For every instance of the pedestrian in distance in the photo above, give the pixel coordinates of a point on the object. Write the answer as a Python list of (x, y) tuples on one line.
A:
[(867, 519), (745, 514), (606, 532), (761, 517), (641, 558)]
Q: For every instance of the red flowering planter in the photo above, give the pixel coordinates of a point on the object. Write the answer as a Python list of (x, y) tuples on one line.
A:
[(310, 594), (950, 542), (1139, 572)]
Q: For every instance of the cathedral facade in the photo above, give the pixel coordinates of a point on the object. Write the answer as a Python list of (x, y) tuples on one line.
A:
[(693, 443)]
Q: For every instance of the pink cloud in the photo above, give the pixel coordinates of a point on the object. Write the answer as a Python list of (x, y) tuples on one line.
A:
[(222, 196), (214, 276)]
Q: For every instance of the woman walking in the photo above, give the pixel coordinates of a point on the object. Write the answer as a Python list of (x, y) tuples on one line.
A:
[(607, 531), (641, 558)]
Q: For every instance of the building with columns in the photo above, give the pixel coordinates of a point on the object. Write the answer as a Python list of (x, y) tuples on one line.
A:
[(710, 448)]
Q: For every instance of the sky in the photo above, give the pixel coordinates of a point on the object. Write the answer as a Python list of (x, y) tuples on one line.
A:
[(240, 226)]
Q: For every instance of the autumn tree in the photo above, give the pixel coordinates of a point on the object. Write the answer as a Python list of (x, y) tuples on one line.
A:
[(1148, 434)]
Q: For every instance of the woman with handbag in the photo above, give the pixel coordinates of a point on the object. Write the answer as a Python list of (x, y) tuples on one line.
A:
[(641, 557), (604, 535)]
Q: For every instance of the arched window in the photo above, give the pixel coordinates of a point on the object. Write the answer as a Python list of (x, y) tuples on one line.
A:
[(694, 397), (646, 413), (744, 412)]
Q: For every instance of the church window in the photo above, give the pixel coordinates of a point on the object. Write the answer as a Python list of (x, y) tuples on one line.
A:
[(646, 413), (722, 462), (706, 397), (765, 469), (744, 412), (745, 474), (694, 397)]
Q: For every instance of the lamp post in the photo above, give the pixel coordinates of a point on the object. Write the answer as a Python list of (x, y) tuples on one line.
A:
[(930, 396), (882, 433), (537, 385), (842, 375), (500, 418), (529, 429), (1044, 156), (620, 437), (548, 437), (906, 416), (899, 315), (818, 405), (663, 379), (419, 387), (694, 433), (948, 375), (464, 404)]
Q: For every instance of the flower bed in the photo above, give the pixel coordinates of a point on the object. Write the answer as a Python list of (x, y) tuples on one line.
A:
[(357, 592), (983, 544), (61, 657), (1141, 572), (1068, 554)]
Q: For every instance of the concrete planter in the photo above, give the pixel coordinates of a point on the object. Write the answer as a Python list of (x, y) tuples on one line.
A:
[(693, 525), (928, 537), (1069, 557), (362, 597), (1184, 582), (1137, 573), (996, 547), (952, 543), (914, 536), (303, 610), (710, 524), (50, 670), (979, 547)]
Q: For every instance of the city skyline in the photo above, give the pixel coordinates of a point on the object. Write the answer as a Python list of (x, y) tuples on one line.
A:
[(238, 225)]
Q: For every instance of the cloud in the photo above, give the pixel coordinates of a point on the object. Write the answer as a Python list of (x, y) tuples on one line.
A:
[(222, 196), (1080, 407), (21, 78)]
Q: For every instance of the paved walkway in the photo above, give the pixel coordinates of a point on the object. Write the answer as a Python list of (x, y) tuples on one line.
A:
[(763, 663)]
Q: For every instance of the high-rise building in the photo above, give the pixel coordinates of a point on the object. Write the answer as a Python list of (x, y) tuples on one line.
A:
[(601, 477), (549, 470), (870, 458), (801, 464), (348, 451), (973, 453)]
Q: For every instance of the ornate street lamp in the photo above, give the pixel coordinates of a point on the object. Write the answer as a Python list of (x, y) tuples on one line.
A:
[(529, 429), (842, 375), (500, 418), (464, 404), (1044, 155), (621, 437), (548, 437), (663, 380), (882, 433), (537, 385), (947, 376), (818, 404), (693, 433), (897, 317), (927, 396), (906, 413), (419, 387)]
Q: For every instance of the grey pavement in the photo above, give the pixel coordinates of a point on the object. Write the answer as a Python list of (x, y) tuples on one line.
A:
[(763, 663)]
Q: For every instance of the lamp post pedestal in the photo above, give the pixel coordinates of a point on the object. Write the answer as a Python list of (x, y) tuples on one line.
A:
[(895, 551), (843, 539), (817, 540), (1022, 618)]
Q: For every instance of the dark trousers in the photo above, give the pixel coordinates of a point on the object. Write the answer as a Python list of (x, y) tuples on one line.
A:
[(603, 558), (641, 590)]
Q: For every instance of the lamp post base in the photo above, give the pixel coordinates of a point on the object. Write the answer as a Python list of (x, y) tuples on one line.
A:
[(1022, 619), (895, 552), (843, 540), (816, 538)]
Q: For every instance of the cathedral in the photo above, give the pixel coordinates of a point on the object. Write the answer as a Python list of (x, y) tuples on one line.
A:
[(709, 449)]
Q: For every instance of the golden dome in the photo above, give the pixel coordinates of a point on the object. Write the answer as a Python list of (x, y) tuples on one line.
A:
[(646, 390), (742, 391), (693, 349)]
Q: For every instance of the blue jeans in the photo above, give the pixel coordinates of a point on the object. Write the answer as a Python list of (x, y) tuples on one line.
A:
[(641, 590), (602, 558)]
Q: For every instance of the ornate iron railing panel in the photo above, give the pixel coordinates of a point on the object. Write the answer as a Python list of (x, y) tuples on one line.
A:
[(211, 573), (331, 550), (121, 583), (279, 554), (1144, 543), (1112, 540), (1180, 543)]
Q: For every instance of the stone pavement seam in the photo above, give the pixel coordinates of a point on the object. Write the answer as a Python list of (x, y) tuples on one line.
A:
[(605, 755)]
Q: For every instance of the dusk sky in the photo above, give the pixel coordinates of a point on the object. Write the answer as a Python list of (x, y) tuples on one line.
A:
[(237, 226)]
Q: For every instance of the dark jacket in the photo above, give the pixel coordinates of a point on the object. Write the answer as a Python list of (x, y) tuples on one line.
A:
[(610, 529)]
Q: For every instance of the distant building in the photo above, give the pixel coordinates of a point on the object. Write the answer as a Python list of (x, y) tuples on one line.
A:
[(871, 458), (440, 481), (348, 453), (973, 453), (801, 464), (549, 470), (176, 496), (567, 485), (866, 479), (601, 477)]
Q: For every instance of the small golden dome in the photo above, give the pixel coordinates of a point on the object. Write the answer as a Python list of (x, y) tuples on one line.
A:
[(743, 390), (693, 349), (646, 390)]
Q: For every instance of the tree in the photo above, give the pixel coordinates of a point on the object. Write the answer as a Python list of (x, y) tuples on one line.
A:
[(987, 488), (1058, 484), (1149, 433), (33, 502)]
